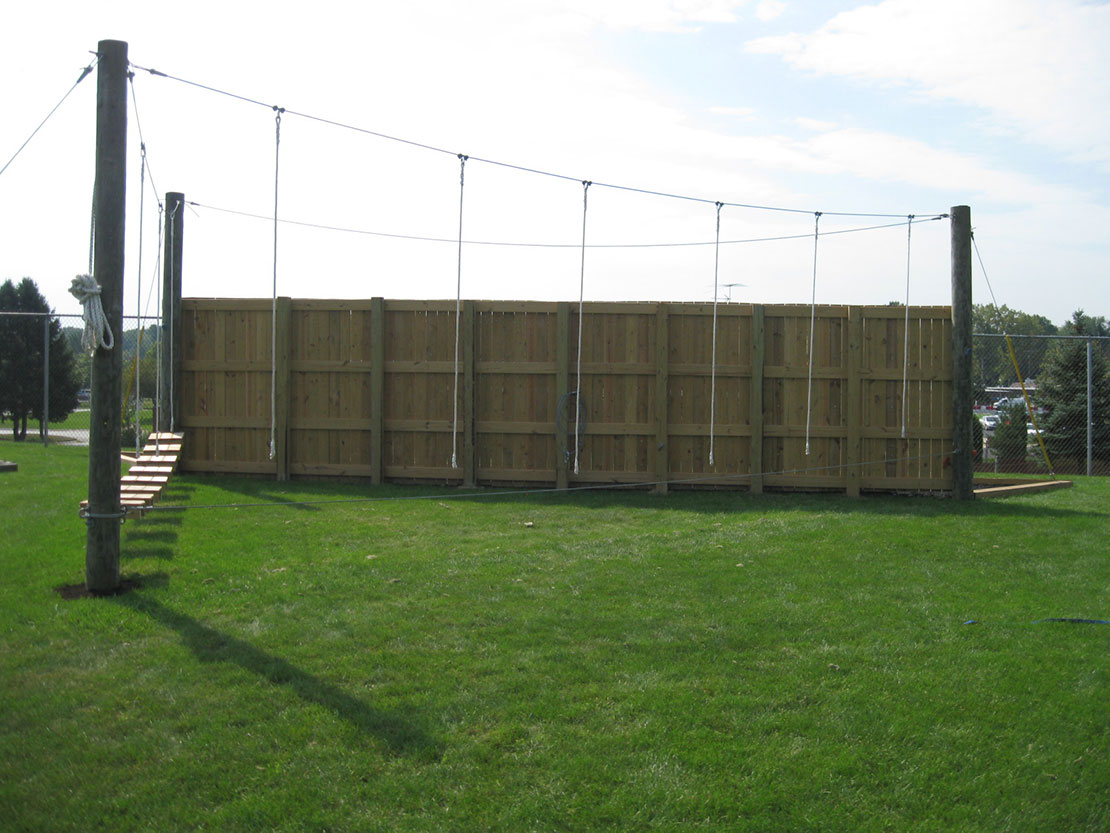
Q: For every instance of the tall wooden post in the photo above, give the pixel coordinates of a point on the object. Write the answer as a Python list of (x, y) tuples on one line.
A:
[(962, 405), (46, 379), (103, 514), (169, 410)]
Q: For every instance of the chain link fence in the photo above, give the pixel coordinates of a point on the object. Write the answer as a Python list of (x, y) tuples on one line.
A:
[(45, 372), (1066, 380)]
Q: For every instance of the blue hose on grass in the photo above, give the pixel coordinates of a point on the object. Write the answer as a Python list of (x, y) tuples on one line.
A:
[(1038, 621)]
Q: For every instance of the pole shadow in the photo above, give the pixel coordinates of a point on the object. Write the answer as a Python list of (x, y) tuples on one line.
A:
[(400, 733)]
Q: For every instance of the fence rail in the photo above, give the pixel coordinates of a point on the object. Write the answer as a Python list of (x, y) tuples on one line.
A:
[(367, 389)]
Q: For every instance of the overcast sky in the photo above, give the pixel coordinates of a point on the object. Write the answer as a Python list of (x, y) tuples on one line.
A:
[(896, 107)]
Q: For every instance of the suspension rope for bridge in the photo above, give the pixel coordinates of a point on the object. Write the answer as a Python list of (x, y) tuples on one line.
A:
[(581, 296), (812, 328), (139, 294), (273, 304), (713, 359), (458, 309)]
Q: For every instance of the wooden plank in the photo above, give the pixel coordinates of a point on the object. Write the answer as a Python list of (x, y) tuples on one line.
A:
[(1012, 489)]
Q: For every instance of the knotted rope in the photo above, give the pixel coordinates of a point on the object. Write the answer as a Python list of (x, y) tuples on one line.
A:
[(97, 332)]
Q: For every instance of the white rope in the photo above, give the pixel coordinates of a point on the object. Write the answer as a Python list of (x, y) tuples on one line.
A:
[(581, 295), (161, 327), (906, 346), (273, 303), (97, 332), (458, 308), (713, 361), (139, 297), (812, 328)]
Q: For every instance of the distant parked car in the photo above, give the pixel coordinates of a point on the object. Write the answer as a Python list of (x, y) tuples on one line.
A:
[(990, 421), (84, 395)]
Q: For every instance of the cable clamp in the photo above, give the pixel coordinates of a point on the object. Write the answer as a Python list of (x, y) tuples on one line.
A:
[(88, 517)]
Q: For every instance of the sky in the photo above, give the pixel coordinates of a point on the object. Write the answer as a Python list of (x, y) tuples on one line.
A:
[(895, 107)]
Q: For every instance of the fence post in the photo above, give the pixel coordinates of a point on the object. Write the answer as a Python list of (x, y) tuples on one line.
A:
[(169, 408), (662, 391), (1090, 410), (46, 379), (562, 360), (377, 388), (962, 468), (759, 350), (470, 430), (281, 387), (853, 409), (105, 428)]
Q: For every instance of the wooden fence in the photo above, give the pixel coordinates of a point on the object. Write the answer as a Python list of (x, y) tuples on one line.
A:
[(364, 389)]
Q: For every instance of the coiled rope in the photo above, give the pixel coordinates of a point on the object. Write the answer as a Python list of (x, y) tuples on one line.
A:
[(97, 332)]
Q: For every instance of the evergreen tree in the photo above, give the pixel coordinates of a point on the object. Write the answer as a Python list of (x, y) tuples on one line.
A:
[(21, 361), (1063, 394)]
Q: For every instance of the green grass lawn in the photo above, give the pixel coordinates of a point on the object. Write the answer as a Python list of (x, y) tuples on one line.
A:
[(596, 661)]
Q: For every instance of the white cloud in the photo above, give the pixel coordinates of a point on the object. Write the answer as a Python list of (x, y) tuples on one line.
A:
[(656, 15), (814, 125), (1039, 67), (768, 10), (745, 113)]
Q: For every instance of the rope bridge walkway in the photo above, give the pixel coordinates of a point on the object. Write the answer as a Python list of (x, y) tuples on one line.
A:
[(142, 486)]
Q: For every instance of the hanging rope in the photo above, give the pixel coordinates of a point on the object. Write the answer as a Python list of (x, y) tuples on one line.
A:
[(581, 295), (713, 360), (158, 338), (92, 228), (97, 332), (139, 296), (812, 327), (458, 308), (906, 346), (273, 304)]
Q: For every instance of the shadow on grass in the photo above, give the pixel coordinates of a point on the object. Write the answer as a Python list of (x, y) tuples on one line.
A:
[(316, 496), (400, 734)]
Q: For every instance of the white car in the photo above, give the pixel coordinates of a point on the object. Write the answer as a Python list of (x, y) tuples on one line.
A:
[(990, 421)]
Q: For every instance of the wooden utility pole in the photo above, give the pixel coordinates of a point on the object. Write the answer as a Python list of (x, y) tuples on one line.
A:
[(169, 407), (103, 513), (962, 404)]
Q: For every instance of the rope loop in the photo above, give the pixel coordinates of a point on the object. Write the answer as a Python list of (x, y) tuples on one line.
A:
[(97, 331)]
